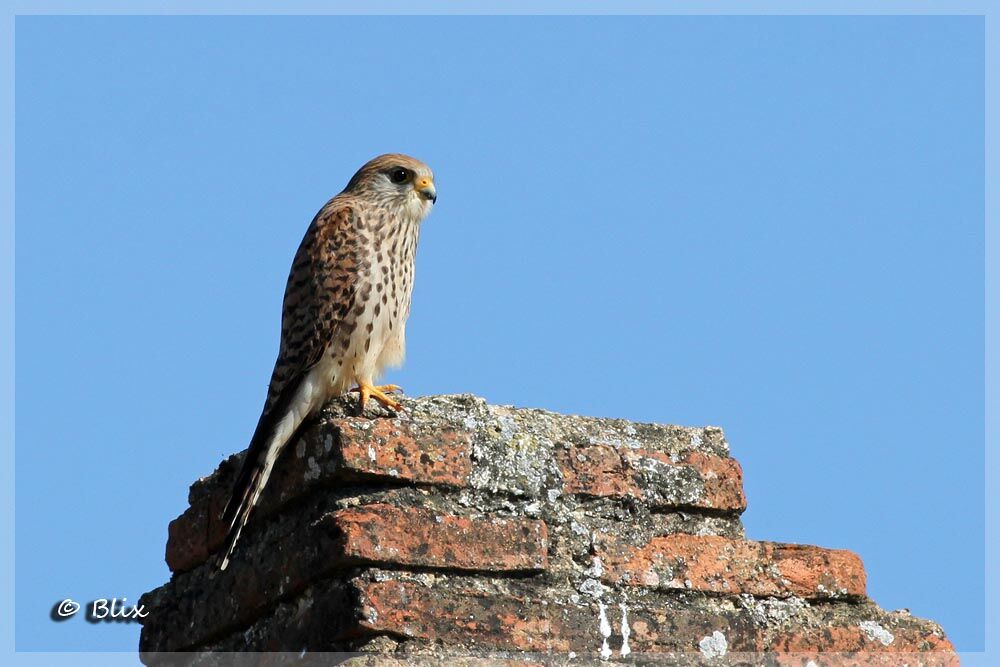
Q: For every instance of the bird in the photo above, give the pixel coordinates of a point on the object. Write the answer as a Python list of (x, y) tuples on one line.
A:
[(344, 314)]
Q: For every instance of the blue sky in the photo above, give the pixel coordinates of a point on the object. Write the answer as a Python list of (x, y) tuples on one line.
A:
[(773, 224)]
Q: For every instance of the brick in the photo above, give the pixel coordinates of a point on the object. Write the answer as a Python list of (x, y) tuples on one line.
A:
[(475, 619), (695, 479), (723, 478), (873, 658), (597, 470), (299, 550), (850, 639), (723, 565), (389, 448), (438, 660), (483, 621), (480, 620), (418, 537), (193, 535), (892, 640), (325, 453), (336, 616)]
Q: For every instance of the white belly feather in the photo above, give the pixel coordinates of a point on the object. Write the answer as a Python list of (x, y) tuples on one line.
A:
[(371, 352)]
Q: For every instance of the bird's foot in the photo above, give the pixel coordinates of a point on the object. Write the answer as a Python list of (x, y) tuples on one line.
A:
[(380, 394)]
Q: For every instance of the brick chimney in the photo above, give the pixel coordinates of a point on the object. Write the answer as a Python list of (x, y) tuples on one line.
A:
[(466, 533)]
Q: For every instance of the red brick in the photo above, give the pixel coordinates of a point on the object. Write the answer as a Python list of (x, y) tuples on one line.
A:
[(419, 537), (876, 658), (843, 639), (723, 565), (597, 470), (723, 479), (606, 471), (491, 621), (193, 535), (390, 448), (382, 448), (469, 618), (488, 621)]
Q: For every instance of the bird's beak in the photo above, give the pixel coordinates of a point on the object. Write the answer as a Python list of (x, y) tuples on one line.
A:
[(425, 187)]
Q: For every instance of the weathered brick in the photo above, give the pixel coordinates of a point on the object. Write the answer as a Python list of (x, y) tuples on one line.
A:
[(842, 659), (418, 537), (723, 479), (336, 616), (695, 479), (325, 453), (597, 470), (445, 660), (393, 449), (485, 621), (849, 639), (723, 565), (193, 535), (263, 572), (503, 622), (299, 550)]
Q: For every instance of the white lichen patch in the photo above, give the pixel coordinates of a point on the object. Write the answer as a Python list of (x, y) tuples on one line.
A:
[(876, 632), (313, 471), (512, 461), (714, 646), (371, 453), (772, 611), (596, 568), (593, 588)]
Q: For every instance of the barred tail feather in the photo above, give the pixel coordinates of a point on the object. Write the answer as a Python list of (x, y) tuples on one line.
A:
[(275, 430)]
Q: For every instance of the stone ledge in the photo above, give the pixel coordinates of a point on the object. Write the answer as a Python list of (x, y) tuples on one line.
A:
[(460, 442), (390, 535), (422, 613), (716, 564)]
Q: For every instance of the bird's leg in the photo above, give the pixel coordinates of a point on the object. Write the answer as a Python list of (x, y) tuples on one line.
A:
[(379, 393)]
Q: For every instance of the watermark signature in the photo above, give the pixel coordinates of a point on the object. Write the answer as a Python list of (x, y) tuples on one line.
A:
[(102, 610)]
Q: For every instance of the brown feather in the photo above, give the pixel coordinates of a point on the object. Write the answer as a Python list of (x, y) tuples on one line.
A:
[(321, 281)]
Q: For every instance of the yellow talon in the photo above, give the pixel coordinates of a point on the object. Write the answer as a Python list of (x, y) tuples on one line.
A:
[(379, 394)]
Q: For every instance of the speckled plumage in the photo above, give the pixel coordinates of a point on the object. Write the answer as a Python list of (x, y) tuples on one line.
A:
[(344, 313)]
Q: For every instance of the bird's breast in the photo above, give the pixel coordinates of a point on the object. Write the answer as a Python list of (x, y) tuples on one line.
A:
[(385, 284)]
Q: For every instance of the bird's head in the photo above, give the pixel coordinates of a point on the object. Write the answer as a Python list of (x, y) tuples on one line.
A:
[(399, 181)]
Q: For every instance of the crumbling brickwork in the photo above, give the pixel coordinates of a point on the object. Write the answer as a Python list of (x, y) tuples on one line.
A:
[(476, 534)]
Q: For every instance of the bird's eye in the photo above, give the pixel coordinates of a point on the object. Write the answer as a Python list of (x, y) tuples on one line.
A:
[(399, 175)]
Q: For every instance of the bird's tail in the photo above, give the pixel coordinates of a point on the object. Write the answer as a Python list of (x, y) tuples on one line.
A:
[(274, 430)]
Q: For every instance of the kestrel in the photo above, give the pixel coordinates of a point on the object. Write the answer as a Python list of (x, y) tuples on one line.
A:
[(344, 314)]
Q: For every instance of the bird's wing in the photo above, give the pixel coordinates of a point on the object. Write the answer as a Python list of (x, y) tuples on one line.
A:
[(318, 296), (318, 299)]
